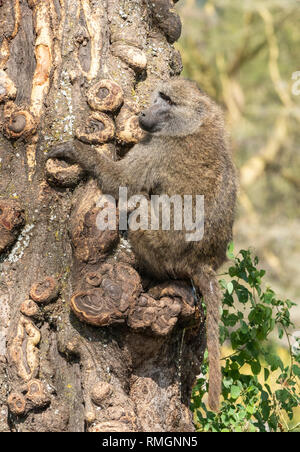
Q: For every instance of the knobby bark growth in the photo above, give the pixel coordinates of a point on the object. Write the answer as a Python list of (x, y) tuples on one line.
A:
[(86, 342)]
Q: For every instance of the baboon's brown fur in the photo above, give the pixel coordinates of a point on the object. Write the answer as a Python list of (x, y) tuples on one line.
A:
[(184, 153)]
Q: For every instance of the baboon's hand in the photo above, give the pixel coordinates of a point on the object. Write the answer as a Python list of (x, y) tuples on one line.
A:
[(65, 151)]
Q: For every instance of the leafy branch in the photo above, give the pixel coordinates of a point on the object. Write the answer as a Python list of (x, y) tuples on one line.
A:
[(250, 317)]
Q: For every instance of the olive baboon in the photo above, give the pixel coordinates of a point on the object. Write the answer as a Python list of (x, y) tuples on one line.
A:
[(184, 153)]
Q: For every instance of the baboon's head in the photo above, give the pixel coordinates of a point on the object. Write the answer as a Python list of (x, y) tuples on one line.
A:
[(178, 108)]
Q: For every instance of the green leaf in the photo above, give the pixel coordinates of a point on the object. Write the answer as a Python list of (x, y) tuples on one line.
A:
[(230, 320), (250, 409), (232, 271), (235, 391), (266, 373), (255, 367), (282, 395), (223, 283), (230, 249), (296, 370), (227, 382), (230, 288), (274, 361), (265, 411)]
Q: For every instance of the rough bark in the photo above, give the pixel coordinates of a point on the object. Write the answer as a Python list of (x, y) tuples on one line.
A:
[(86, 343)]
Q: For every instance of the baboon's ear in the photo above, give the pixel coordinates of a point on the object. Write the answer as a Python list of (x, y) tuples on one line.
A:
[(203, 106)]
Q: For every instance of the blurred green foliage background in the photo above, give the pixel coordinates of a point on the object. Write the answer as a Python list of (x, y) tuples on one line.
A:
[(245, 55)]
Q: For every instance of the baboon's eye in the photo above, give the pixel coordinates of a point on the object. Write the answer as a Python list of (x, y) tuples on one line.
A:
[(166, 98)]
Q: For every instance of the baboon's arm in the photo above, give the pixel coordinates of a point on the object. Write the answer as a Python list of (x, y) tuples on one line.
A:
[(109, 174)]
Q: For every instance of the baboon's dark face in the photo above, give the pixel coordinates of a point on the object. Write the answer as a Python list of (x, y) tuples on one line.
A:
[(178, 108), (155, 118)]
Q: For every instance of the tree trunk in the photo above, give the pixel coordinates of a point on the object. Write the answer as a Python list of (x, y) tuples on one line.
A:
[(123, 355)]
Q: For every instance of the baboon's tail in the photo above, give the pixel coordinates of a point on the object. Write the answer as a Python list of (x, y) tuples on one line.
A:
[(206, 282)]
